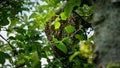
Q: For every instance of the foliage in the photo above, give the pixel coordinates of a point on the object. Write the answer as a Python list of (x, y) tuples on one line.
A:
[(27, 43)]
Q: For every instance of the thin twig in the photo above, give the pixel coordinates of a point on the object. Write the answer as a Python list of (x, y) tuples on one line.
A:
[(75, 32), (6, 41), (13, 48)]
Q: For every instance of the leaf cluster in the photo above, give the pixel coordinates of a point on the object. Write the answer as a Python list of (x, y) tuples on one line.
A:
[(27, 43)]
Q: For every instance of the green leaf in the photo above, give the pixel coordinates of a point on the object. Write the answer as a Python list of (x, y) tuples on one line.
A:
[(12, 38), (63, 16), (25, 18), (67, 40), (20, 62), (74, 55), (62, 47), (3, 56), (55, 40), (19, 37), (2, 59), (1, 43), (85, 11), (33, 15), (37, 65), (77, 36), (20, 30), (13, 22), (80, 36), (4, 22), (69, 29), (69, 7), (57, 25)]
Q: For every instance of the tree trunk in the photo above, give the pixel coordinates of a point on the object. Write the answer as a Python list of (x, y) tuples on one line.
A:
[(107, 33)]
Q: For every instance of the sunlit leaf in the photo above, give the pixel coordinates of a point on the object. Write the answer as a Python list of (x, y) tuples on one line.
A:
[(25, 17), (14, 22), (32, 15), (74, 55), (57, 25), (63, 16), (86, 49), (20, 62), (69, 29)]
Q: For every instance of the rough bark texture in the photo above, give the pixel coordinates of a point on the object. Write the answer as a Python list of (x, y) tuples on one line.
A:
[(107, 33)]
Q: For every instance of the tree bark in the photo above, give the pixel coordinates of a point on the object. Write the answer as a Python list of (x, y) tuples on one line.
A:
[(107, 33)]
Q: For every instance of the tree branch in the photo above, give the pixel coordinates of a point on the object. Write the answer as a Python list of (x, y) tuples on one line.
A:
[(13, 48), (6, 41)]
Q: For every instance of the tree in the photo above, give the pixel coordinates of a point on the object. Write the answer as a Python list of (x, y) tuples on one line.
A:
[(62, 38), (65, 27), (107, 40)]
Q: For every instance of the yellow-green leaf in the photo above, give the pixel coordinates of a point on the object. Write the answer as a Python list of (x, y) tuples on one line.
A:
[(63, 16), (57, 25), (74, 55)]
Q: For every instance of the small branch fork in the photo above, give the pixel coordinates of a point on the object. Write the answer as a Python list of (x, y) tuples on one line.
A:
[(13, 48)]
